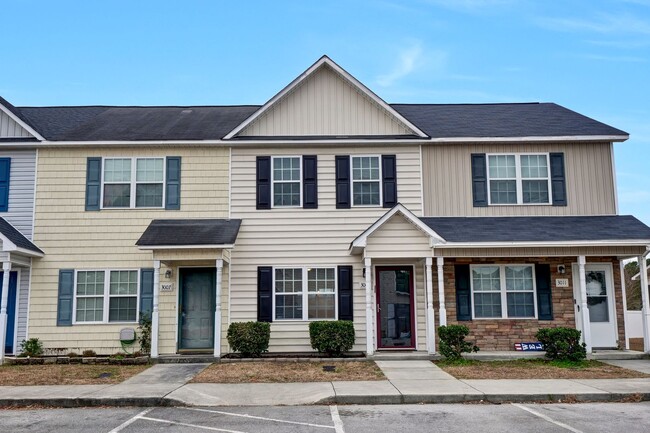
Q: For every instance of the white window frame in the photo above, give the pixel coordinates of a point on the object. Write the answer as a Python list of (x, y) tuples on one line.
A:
[(273, 181), (107, 296), (519, 179), (305, 293), (379, 181), (503, 292), (133, 182)]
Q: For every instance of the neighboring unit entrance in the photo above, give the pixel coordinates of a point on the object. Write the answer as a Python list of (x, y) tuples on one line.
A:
[(600, 301), (11, 311), (196, 308), (395, 325)]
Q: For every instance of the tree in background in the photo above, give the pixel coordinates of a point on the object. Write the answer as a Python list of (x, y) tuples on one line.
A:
[(632, 287)]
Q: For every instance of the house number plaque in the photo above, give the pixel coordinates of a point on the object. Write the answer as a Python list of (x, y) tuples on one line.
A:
[(167, 287), (562, 282)]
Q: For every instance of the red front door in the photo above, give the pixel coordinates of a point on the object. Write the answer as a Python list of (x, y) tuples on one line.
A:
[(395, 324)]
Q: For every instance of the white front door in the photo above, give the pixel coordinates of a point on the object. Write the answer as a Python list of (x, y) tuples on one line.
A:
[(600, 301)]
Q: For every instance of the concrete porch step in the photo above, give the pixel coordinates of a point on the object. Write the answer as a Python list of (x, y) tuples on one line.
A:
[(402, 356), (617, 355), (185, 359)]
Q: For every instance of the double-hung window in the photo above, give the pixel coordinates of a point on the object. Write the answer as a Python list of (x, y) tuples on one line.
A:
[(503, 291), (287, 187), (518, 179), (133, 182), (106, 296), (304, 293), (366, 181)]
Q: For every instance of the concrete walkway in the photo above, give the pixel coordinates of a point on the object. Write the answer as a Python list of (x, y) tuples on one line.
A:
[(407, 382), (641, 365)]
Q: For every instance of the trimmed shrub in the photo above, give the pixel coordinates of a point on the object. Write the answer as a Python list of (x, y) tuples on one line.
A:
[(144, 337), (89, 353), (562, 344), (32, 347), (332, 337), (249, 338), (452, 342)]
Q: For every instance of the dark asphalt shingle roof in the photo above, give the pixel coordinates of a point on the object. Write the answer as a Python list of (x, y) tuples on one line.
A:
[(539, 229), (15, 236), (190, 232)]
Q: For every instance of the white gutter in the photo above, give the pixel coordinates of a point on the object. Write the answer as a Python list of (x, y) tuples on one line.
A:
[(184, 247), (608, 243)]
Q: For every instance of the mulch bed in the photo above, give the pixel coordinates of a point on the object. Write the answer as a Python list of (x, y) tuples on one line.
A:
[(536, 369), (286, 372), (57, 374)]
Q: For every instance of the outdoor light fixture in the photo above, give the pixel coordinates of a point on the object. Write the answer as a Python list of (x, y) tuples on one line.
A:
[(168, 273), (561, 269)]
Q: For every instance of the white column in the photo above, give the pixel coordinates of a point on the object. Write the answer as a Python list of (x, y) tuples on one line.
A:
[(645, 304), (370, 328), (6, 268), (584, 309), (431, 326), (217, 311), (440, 261), (154, 313)]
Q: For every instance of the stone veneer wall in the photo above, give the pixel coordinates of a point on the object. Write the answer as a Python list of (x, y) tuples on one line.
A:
[(502, 334)]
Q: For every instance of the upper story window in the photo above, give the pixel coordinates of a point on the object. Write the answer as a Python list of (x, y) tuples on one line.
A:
[(366, 181), (304, 293), (286, 176), (503, 291), (133, 182), (106, 296), (518, 179)]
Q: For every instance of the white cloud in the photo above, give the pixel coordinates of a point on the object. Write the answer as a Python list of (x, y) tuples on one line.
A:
[(623, 23), (409, 60)]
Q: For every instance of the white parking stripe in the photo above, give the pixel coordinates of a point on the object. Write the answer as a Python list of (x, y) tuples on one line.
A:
[(257, 417), (130, 421), (547, 418), (336, 418), (189, 425)]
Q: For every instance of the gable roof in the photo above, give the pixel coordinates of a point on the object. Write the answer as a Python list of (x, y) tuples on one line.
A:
[(16, 115), (189, 233), (14, 240)]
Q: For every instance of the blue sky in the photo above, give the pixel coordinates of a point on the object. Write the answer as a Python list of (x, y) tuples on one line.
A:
[(590, 56)]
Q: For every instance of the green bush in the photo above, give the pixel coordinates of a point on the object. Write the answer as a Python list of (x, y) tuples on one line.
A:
[(332, 337), (562, 344), (32, 347), (144, 337), (249, 338), (89, 353), (452, 342)]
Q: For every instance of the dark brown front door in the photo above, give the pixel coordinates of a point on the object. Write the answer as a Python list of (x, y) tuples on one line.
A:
[(395, 326)]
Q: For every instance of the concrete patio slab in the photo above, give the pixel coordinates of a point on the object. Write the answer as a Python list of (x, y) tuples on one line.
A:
[(362, 392), (402, 364)]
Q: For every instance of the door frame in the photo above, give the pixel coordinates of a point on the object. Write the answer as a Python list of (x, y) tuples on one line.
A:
[(611, 294), (379, 268), (179, 269), (14, 344)]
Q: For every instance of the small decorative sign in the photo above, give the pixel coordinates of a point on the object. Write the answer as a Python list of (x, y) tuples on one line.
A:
[(167, 287), (529, 347), (561, 282)]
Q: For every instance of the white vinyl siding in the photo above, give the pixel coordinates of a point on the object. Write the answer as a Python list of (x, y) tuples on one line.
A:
[(133, 182), (22, 175), (106, 296), (9, 128), (518, 179), (503, 292)]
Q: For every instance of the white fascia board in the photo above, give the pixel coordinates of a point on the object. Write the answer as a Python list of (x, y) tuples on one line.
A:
[(185, 247), (302, 77), (553, 244), (19, 121), (609, 138)]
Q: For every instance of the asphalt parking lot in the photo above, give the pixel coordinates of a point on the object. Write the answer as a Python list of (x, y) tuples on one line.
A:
[(589, 417)]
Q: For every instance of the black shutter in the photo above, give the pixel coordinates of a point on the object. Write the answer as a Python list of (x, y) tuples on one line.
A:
[(309, 182), (389, 180), (342, 182), (479, 180), (93, 183), (264, 294), (146, 292), (345, 292), (5, 175), (173, 183), (544, 297), (463, 293), (66, 295), (558, 179), (263, 182)]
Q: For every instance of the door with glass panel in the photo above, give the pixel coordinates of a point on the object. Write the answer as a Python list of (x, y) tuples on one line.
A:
[(395, 325), (600, 301), (197, 306)]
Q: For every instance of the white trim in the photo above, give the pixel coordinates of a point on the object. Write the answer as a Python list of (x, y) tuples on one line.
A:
[(29, 301), (229, 182), (523, 244), (35, 188), (305, 292), (422, 210), (302, 77), (621, 270), (414, 305), (378, 181), (186, 247), (273, 181), (8, 246), (133, 183), (106, 296), (611, 147), (503, 291), (519, 179), (24, 125)]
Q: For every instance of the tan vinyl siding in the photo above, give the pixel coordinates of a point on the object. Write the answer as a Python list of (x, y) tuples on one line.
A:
[(540, 252), (448, 179), (9, 128), (325, 104), (398, 238), (305, 237), (73, 238)]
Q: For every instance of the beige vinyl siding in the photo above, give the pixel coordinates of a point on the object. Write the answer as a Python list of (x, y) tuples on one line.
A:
[(398, 238), (325, 104), (73, 238), (540, 252), (448, 179), (305, 237), (9, 128)]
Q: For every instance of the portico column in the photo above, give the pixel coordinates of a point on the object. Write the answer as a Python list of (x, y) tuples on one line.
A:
[(431, 327), (440, 261), (6, 268), (370, 329), (645, 302), (584, 308), (154, 313), (217, 311)]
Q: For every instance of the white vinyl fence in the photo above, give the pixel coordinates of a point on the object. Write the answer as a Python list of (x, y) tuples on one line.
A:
[(633, 324)]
